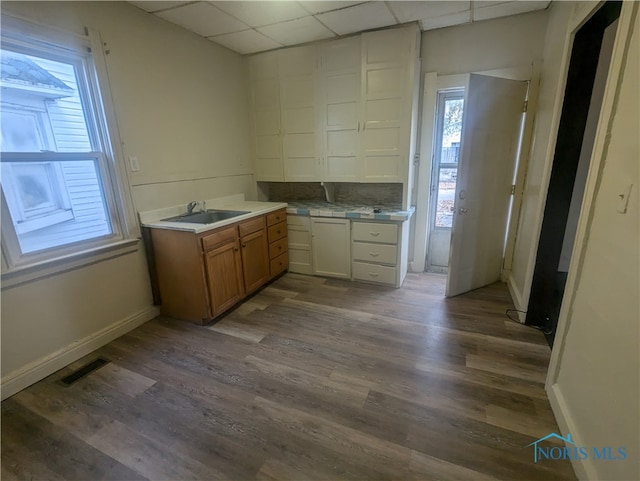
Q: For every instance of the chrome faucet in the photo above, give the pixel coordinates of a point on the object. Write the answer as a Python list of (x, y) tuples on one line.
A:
[(191, 205)]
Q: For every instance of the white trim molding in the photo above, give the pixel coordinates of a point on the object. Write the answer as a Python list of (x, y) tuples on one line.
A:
[(40, 368)]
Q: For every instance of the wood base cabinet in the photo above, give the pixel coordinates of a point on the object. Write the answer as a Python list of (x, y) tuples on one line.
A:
[(200, 276)]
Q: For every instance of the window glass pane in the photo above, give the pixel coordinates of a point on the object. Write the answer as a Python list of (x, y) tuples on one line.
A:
[(41, 105), (53, 204), (451, 131), (446, 195)]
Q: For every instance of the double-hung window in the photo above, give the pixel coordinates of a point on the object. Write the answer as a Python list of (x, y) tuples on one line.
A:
[(59, 179)]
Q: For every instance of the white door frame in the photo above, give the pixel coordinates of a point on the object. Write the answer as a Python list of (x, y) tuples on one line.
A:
[(623, 35), (432, 83)]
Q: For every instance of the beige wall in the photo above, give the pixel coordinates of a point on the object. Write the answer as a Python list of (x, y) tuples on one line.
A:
[(181, 108), (493, 44), (598, 370)]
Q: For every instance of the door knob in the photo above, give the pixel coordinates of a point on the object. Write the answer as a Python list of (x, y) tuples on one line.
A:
[(463, 210)]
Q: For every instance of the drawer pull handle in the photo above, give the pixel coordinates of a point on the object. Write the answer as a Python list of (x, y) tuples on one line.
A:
[(374, 274), (374, 234), (374, 254)]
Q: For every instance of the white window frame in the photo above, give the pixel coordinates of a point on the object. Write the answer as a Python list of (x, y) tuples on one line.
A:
[(34, 39)]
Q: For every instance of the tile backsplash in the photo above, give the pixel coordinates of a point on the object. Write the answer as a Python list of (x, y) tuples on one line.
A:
[(349, 192)]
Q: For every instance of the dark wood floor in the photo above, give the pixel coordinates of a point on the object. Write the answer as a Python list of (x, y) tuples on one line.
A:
[(309, 379)]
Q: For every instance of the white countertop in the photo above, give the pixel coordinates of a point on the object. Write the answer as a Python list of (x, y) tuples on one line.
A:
[(153, 218)]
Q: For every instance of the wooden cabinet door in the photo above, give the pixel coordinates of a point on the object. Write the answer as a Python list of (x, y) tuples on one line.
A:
[(224, 276), (255, 260), (331, 247)]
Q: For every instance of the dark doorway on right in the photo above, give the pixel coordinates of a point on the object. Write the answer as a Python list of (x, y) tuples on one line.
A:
[(584, 91)]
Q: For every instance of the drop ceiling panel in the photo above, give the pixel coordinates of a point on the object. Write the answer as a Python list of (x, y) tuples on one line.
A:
[(488, 10), (297, 31), (356, 19), (411, 11), (203, 19), (154, 6), (321, 7), (432, 23), (247, 41), (257, 14)]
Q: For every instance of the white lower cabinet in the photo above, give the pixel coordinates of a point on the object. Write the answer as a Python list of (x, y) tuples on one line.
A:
[(299, 235), (376, 252), (331, 247), (361, 250)]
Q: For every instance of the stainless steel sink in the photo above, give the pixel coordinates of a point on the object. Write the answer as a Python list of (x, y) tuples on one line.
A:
[(208, 217)]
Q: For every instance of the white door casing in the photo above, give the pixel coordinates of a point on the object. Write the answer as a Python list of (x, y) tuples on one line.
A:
[(490, 136)]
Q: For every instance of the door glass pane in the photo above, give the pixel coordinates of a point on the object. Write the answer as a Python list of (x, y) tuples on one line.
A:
[(451, 130), (446, 196)]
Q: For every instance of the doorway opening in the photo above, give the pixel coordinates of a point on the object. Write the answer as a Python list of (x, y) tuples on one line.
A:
[(584, 92), (446, 152)]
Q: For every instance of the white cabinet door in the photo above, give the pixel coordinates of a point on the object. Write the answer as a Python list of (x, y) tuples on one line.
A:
[(297, 69), (339, 100), (388, 67), (331, 247), (265, 94)]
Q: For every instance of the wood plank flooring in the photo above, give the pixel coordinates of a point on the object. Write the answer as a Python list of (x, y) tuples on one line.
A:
[(310, 379)]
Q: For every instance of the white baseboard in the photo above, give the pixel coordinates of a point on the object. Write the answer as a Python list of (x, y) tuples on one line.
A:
[(39, 369), (584, 469)]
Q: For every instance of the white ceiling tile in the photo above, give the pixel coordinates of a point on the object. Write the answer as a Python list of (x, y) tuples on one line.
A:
[(154, 6), (301, 30), (432, 23), (487, 10), (411, 11), (257, 14), (356, 19), (247, 41), (203, 19), (326, 6)]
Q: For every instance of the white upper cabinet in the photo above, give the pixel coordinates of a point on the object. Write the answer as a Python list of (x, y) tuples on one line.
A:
[(387, 89), (297, 70), (339, 113), (265, 96)]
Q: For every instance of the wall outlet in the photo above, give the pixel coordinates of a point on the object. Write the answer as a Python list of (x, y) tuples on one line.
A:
[(133, 163)]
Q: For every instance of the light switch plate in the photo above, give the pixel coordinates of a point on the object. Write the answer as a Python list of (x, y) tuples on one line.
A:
[(133, 163), (623, 200)]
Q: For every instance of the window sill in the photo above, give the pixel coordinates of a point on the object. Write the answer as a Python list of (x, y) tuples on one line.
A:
[(33, 272)]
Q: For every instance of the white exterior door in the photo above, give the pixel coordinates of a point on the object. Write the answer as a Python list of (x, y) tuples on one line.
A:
[(339, 100), (491, 130), (331, 247), (297, 68)]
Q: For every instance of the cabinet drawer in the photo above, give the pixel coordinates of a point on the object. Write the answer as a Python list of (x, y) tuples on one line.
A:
[(278, 247), (277, 216), (251, 225), (279, 264), (369, 252), (277, 231), (301, 220), (222, 236), (375, 232), (374, 273)]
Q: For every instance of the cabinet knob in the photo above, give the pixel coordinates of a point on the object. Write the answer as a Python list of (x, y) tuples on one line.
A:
[(244, 245), (279, 248)]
